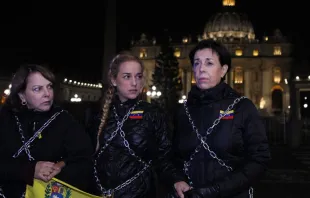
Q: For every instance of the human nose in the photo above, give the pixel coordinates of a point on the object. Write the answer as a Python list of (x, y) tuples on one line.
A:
[(202, 68), (47, 92), (134, 81)]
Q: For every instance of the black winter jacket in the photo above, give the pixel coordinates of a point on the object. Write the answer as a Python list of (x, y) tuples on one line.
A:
[(147, 137), (239, 140), (62, 140)]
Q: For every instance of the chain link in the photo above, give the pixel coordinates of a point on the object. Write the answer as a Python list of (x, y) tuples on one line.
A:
[(1, 193), (119, 129), (26, 148), (126, 143), (26, 145), (205, 145)]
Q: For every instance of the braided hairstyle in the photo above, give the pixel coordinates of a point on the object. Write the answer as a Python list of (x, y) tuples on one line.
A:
[(109, 94)]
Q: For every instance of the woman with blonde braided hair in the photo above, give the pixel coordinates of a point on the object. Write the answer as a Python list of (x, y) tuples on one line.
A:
[(130, 137)]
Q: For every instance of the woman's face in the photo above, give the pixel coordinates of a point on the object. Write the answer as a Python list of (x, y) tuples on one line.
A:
[(39, 93), (129, 80), (207, 68)]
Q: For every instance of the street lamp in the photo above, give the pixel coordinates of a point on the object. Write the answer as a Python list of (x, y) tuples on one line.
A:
[(76, 98), (183, 99), (153, 93), (8, 90)]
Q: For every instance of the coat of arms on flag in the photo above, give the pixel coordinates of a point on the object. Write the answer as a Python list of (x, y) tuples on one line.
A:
[(229, 115), (136, 114), (55, 188)]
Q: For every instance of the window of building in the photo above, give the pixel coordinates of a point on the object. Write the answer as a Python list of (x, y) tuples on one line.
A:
[(255, 52), (277, 75), (143, 53), (277, 51), (177, 52), (238, 52), (238, 75)]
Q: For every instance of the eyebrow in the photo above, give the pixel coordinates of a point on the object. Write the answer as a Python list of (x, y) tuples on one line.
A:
[(42, 85), (206, 59), (130, 73)]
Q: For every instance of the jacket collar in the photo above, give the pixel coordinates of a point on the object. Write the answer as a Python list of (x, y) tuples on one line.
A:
[(219, 92), (123, 107)]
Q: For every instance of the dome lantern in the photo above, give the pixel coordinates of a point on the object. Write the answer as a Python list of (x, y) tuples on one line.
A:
[(228, 3)]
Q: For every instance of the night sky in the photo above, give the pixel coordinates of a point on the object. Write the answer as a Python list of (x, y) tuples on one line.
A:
[(68, 36)]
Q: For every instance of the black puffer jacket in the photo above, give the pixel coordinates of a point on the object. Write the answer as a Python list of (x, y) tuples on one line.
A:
[(147, 137), (239, 140)]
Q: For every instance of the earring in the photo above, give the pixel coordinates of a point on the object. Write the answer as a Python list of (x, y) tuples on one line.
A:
[(24, 103)]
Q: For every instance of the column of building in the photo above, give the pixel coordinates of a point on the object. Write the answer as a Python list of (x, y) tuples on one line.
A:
[(247, 83), (267, 85)]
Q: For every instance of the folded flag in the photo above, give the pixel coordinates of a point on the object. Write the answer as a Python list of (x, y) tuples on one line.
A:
[(55, 188)]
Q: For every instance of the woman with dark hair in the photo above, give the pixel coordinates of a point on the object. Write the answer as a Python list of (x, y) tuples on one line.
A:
[(131, 137), (220, 140), (39, 140)]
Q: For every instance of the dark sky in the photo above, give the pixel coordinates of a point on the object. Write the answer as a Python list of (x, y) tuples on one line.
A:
[(68, 35)]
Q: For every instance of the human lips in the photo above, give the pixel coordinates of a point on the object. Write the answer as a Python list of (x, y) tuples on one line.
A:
[(203, 79), (47, 103)]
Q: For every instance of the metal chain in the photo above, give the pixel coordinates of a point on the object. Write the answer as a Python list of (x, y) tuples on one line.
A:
[(107, 143), (126, 143), (205, 145), (1, 193), (208, 132), (26, 145), (23, 142), (110, 192)]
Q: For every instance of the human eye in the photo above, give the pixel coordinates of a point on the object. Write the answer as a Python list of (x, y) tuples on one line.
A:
[(126, 76), (51, 86), (196, 63), (140, 76), (209, 63), (36, 89)]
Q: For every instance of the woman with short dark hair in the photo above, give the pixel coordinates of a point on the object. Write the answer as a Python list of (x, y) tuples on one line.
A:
[(219, 138)]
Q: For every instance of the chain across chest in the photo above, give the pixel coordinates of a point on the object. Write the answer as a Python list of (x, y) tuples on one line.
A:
[(26, 143), (203, 141), (119, 130)]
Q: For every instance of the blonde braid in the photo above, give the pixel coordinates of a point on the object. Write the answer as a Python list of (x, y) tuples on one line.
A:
[(105, 111)]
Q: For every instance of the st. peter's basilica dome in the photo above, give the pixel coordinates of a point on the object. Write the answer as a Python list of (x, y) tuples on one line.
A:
[(229, 25)]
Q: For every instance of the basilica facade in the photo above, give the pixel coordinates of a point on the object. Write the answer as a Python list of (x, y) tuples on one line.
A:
[(260, 67)]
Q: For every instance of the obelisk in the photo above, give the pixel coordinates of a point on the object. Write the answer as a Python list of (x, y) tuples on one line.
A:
[(109, 50)]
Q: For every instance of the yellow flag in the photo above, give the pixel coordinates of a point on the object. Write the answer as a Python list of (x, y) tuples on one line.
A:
[(55, 188)]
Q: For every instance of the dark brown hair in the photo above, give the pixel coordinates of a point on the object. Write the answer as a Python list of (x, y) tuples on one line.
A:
[(20, 80)]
